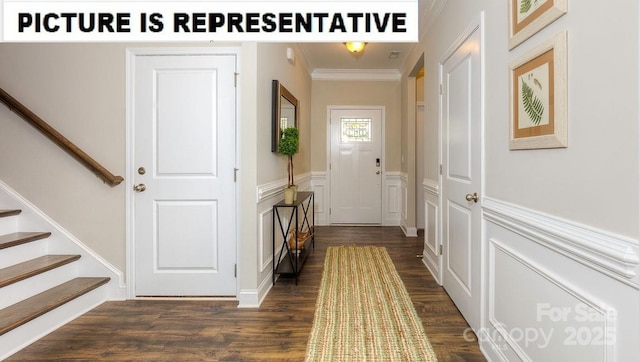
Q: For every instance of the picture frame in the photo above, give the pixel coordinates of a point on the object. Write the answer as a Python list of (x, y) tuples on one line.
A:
[(538, 96), (527, 17)]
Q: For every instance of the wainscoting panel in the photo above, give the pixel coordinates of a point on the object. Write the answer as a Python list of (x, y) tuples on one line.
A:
[(431, 254), (431, 227), (550, 297), (391, 198), (404, 180), (319, 186), (266, 195), (265, 247), (403, 197)]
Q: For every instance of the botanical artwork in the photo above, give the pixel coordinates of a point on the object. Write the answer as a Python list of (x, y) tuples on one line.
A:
[(527, 7), (533, 98), (533, 103), (527, 17), (539, 96)]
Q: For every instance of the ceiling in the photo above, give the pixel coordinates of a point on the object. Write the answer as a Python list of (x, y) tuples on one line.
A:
[(375, 55)]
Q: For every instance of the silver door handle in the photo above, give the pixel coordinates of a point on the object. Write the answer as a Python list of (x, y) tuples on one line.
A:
[(377, 172), (139, 188), (473, 197)]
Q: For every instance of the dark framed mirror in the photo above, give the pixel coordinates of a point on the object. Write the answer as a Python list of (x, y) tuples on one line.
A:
[(285, 110)]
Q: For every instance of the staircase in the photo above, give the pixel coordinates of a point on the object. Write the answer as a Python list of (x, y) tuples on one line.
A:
[(46, 278)]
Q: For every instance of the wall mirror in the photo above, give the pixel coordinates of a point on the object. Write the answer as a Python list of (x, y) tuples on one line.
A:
[(285, 110)]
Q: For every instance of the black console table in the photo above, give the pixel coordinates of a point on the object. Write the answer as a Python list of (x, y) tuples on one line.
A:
[(298, 236)]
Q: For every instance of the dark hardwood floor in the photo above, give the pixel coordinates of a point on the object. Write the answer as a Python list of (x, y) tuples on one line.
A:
[(161, 330)]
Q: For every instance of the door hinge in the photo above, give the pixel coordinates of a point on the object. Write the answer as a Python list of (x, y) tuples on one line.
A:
[(441, 169), (329, 211), (235, 175), (329, 166), (440, 89), (440, 250), (235, 79), (235, 270)]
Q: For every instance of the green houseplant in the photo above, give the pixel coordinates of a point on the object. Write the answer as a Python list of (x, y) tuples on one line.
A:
[(288, 146)]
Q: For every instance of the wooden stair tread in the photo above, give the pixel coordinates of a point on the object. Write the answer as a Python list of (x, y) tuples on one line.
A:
[(27, 310), (29, 268), (5, 213), (14, 239)]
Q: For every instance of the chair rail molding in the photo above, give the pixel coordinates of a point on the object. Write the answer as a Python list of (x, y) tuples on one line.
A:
[(273, 188), (431, 186), (608, 253)]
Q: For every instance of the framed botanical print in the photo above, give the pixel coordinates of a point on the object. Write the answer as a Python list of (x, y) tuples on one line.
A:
[(538, 92), (527, 17)]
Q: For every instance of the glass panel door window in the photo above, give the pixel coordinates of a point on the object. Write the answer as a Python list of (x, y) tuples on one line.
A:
[(355, 130)]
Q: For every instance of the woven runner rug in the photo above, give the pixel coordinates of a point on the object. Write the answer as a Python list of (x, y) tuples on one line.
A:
[(364, 312)]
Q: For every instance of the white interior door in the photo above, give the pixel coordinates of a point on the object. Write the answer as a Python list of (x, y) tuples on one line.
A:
[(184, 207), (356, 166), (461, 179)]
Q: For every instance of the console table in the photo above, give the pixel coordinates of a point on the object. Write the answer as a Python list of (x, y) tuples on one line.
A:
[(298, 235)]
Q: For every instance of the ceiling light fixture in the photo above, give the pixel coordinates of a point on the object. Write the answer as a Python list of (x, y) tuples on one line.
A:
[(355, 46)]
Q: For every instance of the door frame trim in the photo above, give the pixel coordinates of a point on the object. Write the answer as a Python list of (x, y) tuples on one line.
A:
[(382, 109), (131, 54)]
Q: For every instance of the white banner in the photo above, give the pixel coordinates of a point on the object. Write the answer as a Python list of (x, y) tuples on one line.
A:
[(263, 21)]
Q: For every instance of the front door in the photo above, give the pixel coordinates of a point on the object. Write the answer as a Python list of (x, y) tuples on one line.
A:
[(183, 158), (461, 176), (356, 166)]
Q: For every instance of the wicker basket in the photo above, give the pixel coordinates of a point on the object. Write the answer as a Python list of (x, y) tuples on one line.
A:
[(302, 239)]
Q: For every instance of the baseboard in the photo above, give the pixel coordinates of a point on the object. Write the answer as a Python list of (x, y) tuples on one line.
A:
[(409, 231), (253, 298)]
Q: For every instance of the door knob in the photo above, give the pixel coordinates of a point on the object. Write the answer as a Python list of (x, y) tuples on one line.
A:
[(473, 197), (140, 188), (377, 172)]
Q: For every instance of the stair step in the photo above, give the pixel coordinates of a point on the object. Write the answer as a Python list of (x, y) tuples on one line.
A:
[(6, 213), (13, 239), (27, 310), (27, 269)]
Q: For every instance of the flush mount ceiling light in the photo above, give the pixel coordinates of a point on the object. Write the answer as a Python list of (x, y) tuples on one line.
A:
[(355, 46)]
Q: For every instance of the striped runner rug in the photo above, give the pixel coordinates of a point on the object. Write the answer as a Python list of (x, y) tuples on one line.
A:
[(364, 312)]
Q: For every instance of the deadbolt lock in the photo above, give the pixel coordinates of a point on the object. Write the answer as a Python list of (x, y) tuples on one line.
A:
[(142, 171)]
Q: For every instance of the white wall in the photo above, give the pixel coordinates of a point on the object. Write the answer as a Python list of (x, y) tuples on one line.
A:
[(574, 203), (355, 93), (80, 90), (271, 167)]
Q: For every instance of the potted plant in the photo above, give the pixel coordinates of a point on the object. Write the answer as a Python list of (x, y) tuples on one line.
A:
[(288, 146)]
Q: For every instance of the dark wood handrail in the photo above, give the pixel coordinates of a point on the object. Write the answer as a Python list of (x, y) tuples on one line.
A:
[(57, 138)]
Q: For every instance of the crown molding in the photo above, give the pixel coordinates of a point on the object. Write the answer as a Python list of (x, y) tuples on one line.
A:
[(429, 17), (304, 56), (356, 74)]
